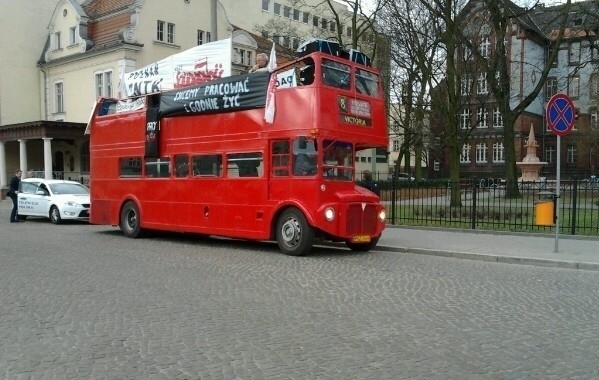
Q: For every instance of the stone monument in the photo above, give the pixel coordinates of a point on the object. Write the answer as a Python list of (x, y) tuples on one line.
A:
[(530, 165)]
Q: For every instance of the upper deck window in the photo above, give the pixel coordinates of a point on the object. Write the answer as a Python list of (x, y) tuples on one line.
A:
[(335, 74), (367, 82)]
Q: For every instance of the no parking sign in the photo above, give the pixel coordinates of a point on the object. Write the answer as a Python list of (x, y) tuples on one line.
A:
[(561, 114)]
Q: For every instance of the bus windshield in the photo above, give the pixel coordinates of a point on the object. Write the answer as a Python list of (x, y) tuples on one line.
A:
[(338, 160)]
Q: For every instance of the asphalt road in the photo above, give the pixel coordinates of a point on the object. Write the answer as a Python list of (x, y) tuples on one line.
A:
[(82, 301)]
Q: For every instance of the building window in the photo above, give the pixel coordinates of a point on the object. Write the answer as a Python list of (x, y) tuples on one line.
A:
[(57, 43), (58, 97), (315, 21), (349, 31), (482, 86), (548, 53), (104, 84), (574, 53), (594, 119), (550, 87), (465, 156), (396, 145), (287, 12), (550, 154), (305, 17), (573, 86), (498, 152), (481, 153), (466, 53), (160, 30), (277, 9), (594, 84), (594, 46), (73, 35), (296, 14), (485, 47), (497, 118), (265, 5), (170, 34), (466, 85), (324, 24), (465, 119), (482, 118), (332, 27), (200, 37), (84, 158), (571, 155)]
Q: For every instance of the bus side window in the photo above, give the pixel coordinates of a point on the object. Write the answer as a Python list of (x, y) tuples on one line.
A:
[(181, 166), (306, 72), (280, 158), (158, 167), (244, 165), (208, 165), (108, 107), (130, 167)]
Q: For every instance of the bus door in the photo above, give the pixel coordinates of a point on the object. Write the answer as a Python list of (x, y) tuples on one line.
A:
[(245, 194)]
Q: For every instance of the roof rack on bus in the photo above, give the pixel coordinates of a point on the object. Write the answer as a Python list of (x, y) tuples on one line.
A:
[(332, 48)]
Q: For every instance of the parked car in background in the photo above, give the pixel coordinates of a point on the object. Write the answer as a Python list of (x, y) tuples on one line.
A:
[(57, 200), (405, 177)]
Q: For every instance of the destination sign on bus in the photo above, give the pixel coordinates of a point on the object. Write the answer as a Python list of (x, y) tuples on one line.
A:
[(354, 111)]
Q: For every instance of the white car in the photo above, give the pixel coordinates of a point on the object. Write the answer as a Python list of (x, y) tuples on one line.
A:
[(55, 199)]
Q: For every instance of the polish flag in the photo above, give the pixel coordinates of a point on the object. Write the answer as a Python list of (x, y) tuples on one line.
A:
[(269, 112)]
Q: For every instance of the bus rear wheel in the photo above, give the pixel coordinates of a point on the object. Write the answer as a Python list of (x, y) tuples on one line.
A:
[(130, 221), (295, 236), (362, 247)]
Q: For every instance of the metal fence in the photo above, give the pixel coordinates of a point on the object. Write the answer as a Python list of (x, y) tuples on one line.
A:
[(483, 205)]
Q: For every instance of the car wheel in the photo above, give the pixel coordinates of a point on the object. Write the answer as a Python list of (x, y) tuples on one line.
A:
[(362, 247), (295, 236), (55, 215), (130, 221)]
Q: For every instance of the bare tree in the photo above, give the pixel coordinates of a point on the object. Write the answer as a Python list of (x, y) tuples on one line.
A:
[(501, 17)]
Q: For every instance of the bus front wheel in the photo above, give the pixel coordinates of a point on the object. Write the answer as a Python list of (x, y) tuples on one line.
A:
[(295, 236), (362, 247), (130, 221)]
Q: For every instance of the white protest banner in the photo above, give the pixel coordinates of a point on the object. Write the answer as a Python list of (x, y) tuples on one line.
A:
[(197, 65), (286, 79), (130, 105)]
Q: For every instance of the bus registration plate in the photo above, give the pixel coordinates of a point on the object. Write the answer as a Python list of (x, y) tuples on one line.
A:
[(361, 239)]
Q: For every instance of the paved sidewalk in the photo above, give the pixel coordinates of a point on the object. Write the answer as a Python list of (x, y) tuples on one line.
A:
[(574, 252)]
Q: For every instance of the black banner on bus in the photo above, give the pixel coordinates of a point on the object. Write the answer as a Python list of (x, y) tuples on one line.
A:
[(152, 127), (236, 93)]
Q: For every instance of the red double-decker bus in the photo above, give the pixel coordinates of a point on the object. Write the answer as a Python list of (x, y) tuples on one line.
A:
[(203, 159)]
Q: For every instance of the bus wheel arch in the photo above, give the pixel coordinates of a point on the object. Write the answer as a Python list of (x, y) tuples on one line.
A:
[(130, 220), (294, 235)]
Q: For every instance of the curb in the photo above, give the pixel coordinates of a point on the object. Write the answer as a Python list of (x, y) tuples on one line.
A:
[(493, 258)]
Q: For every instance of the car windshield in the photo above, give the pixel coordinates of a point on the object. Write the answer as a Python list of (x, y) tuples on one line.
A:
[(68, 188)]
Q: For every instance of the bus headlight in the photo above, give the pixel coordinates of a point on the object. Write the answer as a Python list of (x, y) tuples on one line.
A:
[(382, 215), (329, 214)]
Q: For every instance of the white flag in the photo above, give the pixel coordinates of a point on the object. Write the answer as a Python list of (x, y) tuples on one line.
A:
[(269, 112)]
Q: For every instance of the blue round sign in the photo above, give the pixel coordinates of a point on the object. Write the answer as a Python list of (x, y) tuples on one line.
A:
[(560, 114)]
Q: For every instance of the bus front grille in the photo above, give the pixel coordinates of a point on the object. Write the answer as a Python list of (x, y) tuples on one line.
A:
[(361, 219)]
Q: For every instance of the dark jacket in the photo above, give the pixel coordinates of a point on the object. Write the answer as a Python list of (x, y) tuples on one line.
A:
[(370, 185), (14, 186)]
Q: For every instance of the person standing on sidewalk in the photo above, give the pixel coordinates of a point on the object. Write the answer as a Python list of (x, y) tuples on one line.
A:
[(13, 190)]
